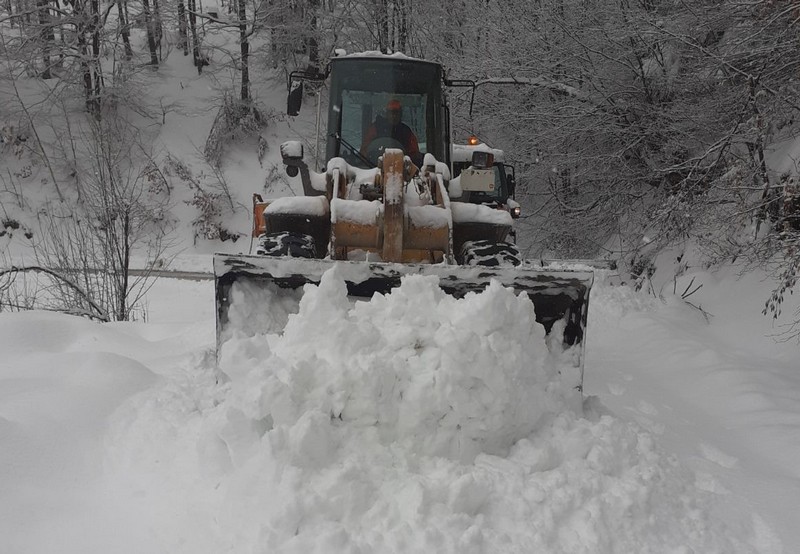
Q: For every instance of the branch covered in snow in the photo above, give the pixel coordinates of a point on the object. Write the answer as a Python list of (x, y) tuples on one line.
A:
[(96, 311)]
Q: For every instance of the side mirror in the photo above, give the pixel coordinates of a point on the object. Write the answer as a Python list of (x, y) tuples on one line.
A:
[(292, 151), (295, 99), (512, 185), (292, 154)]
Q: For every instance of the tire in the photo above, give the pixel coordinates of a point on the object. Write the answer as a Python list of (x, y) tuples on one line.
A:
[(489, 254), (292, 245)]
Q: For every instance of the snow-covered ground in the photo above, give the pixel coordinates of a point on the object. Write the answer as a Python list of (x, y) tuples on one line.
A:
[(413, 423)]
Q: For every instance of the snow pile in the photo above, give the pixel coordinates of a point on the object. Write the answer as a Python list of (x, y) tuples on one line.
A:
[(249, 314), (411, 423), (436, 375), (61, 378)]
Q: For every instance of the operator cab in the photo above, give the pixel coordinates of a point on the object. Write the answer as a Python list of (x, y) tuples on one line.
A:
[(365, 88)]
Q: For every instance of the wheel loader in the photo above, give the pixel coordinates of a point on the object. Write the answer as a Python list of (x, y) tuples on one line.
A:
[(382, 207)]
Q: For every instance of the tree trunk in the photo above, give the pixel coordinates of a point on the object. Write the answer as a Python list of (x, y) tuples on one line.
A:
[(198, 63), (125, 267), (183, 36), (88, 88), (382, 24), (244, 45), (311, 42), (83, 30), (402, 32), (24, 14), (151, 38), (96, 69), (158, 28), (60, 46), (768, 206), (87, 29), (47, 36), (125, 30)]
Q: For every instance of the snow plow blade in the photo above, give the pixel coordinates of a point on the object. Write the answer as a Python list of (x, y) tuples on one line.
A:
[(558, 295)]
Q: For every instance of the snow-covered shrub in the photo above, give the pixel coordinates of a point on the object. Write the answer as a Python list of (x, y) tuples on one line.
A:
[(9, 226), (174, 166), (642, 270), (158, 184), (790, 205), (235, 120), (12, 139), (208, 223), (787, 280)]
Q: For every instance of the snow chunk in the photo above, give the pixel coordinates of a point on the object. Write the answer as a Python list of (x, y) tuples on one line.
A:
[(464, 213), (417, 367), (454, 189), (247, 314), (310, 440)]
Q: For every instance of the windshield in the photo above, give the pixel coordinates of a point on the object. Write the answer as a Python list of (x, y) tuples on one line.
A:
[(379, 103)]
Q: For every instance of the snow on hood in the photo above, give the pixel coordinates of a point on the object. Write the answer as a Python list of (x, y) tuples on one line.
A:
[(466, 213), (310, 205)]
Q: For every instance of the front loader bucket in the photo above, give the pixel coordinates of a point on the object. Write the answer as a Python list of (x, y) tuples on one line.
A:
[(560, 295)]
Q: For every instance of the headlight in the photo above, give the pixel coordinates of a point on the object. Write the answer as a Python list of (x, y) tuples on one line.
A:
[(516, 211)]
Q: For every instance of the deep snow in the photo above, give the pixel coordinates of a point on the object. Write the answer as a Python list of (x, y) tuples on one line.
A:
[(126, 438), (380, 435)]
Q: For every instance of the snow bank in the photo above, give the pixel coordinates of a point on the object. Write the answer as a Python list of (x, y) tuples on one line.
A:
[(61, 378), (411, 423)]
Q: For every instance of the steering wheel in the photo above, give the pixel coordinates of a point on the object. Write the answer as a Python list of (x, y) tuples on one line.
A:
[(376, 148)]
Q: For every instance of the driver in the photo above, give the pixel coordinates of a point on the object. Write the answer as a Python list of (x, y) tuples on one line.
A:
[(392, 127)]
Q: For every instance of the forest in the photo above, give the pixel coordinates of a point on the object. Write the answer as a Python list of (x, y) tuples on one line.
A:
[(633, 125)]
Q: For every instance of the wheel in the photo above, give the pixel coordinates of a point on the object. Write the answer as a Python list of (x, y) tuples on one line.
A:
[(490, 254), (293, 245)]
